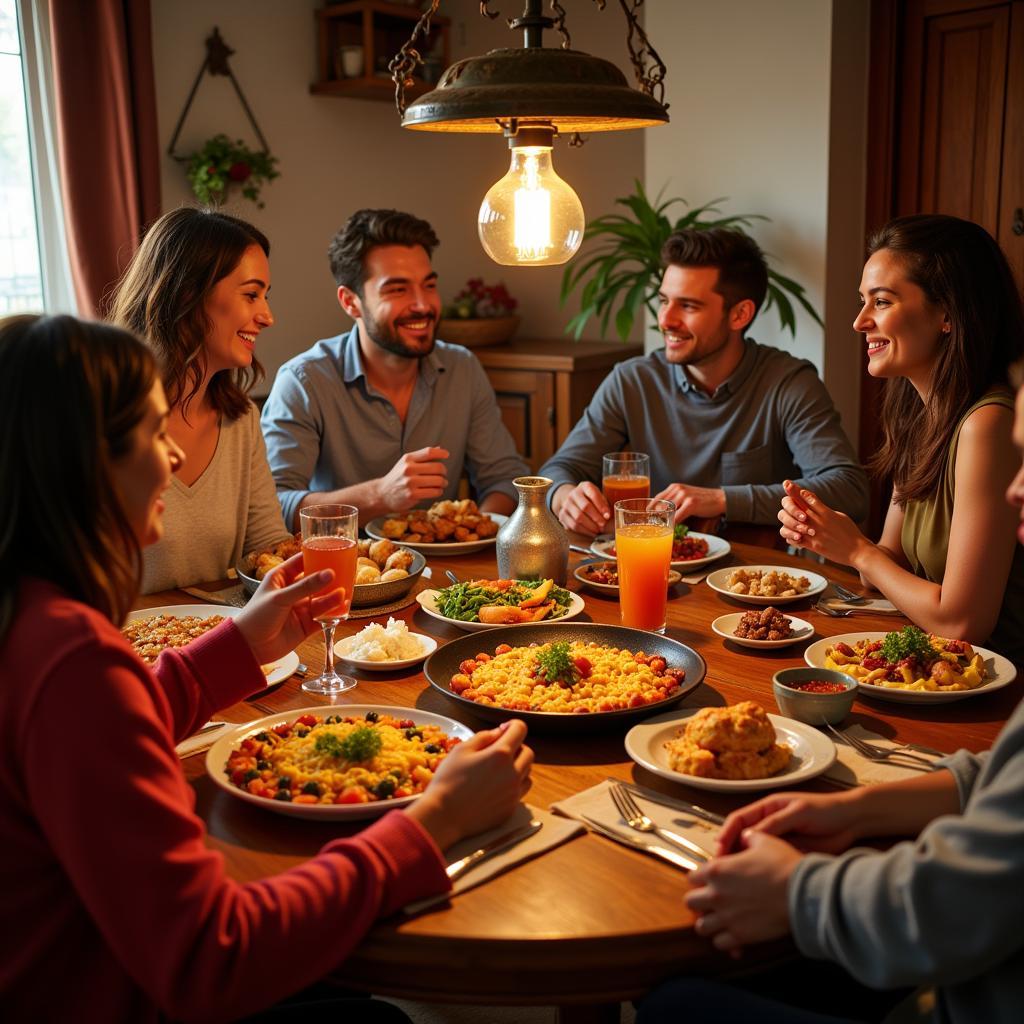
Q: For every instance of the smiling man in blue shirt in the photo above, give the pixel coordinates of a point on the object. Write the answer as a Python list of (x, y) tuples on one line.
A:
[(386, 417), (724, 419)]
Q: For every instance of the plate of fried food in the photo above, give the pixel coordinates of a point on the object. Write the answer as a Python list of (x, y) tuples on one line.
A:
[(604, 576), (740, 748), (385, 571), (447, 527), (324, 763), (766, 628), (151, 630), (766, 584), (910, 666), (690, 550), (571, 677), (474, 605)]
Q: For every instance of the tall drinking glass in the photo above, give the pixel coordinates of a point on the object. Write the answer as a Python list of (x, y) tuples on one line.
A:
[(643, 546), (329, 542), (625, 475)]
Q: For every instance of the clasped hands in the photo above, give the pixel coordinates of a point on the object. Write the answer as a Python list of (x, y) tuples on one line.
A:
[(807, 522), (583, 508)]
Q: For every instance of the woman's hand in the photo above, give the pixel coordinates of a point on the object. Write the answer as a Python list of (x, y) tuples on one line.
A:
[(742, 898), (281, 614), (809, 523), (478, 785), (820, 822)]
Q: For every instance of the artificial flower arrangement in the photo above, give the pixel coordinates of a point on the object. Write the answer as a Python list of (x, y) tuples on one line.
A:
[(481, 301), (221, 164)]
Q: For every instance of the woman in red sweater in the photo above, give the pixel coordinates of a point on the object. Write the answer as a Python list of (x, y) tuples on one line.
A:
[(114, 909)]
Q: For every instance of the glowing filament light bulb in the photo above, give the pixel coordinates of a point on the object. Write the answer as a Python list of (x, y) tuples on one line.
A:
[(531, 217)]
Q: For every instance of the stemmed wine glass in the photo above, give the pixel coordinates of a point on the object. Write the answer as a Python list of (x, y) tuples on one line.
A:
[(329, 542)]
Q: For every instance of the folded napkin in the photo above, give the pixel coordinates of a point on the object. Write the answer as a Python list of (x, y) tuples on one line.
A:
[(596, 803), (696, 577), (876, 605), (555, 831), (202, 740), (851, 769), (234, 595)]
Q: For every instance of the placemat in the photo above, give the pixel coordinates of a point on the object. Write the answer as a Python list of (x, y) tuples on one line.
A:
[(371, 611)]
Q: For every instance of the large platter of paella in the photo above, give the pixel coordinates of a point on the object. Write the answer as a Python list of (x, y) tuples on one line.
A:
[(571, 677), (910, 666)]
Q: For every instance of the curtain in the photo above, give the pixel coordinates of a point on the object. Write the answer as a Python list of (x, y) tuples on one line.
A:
[(107, 136)]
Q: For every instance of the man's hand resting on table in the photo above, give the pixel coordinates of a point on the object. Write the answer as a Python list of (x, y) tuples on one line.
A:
[(415, 477)]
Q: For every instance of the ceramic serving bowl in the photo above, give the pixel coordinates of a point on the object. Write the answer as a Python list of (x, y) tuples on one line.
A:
[(813, 708)]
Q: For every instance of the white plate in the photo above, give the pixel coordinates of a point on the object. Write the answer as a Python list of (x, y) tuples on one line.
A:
[(725, 626), (813, 753), (1001, 672), (277, 671), (458, 548), (427, 644), (217, 758), (718, 581), (612, 588), (428, 602), (717, 548)]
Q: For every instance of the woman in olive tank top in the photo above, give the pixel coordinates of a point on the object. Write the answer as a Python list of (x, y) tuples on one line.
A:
[(942, 321)]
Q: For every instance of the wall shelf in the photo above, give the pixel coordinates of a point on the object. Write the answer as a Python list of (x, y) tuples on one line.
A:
[(380, 28)]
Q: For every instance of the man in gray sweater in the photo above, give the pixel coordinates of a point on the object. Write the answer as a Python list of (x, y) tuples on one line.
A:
[(724, 419)]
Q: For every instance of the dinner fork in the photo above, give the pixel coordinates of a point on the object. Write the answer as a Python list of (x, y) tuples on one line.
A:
[(836, 613), (873, 752), (636, 819), (848, 595)]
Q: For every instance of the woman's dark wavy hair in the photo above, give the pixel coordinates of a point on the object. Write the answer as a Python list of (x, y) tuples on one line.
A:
[(162, 298), (963, 272), (71, 394)]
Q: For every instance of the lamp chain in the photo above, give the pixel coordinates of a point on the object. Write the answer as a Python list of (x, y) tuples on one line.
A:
[(408, 58), (560, 23), (651, 82)]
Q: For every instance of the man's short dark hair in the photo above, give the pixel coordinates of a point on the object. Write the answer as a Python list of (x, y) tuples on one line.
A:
[(366, 229), (742, 271)]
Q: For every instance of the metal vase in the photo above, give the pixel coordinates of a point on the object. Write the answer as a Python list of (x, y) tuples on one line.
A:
[(532, 545)]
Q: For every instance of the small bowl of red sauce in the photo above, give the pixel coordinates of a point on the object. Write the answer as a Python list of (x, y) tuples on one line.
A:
[(814, 695)]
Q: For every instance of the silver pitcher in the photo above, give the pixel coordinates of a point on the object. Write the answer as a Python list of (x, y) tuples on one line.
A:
[(532, 545)]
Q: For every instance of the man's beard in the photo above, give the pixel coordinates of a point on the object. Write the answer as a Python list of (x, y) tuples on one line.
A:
[(388, 338)]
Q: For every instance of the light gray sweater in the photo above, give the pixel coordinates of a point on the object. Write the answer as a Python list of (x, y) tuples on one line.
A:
[(230, 510), (946, 909)]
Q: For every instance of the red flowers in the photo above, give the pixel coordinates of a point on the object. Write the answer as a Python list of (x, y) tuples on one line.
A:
[(481, 300)]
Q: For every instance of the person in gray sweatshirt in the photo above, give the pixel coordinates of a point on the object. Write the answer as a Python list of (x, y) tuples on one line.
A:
[(941, 910)]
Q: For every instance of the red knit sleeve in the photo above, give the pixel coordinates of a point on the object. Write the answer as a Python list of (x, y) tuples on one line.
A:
[(109, 795)]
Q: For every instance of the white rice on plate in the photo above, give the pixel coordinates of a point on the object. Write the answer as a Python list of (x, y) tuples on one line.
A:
[(382, 643)]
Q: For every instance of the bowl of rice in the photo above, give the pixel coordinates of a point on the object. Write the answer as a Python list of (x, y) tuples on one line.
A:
[(380, 648)]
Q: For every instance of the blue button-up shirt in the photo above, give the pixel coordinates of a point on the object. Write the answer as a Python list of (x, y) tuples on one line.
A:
[(326, 427)]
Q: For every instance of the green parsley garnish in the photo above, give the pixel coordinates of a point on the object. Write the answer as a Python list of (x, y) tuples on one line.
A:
[(555, 665), (909, 642), (680, 531), (359, 745)]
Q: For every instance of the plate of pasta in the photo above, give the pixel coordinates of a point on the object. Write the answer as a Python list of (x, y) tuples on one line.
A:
[(910, 666), (329, 763), (151, 630)]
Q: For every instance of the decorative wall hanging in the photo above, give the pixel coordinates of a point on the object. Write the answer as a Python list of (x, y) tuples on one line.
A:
[(221, 163)]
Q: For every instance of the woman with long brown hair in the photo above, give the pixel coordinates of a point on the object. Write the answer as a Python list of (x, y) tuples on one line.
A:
[(943, 323), (114, 907), (196, 291)]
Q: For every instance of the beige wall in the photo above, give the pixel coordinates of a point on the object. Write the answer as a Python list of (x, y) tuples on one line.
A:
[(768, 108), (337, 155)]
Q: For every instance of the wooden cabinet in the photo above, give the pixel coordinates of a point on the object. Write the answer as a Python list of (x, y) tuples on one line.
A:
[(544, 386), (380, 29)]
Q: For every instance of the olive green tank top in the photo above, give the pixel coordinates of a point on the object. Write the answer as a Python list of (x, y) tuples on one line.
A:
[(925, 540)]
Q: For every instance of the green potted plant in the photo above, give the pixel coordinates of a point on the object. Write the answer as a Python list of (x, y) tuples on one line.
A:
[(481, 314), (626, 267), (221, 164)]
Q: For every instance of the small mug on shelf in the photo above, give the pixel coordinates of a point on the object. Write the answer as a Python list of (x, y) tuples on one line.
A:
[(348, 62)]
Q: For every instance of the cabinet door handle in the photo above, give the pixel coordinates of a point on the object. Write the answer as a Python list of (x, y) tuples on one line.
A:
[(1017, 227), (551, 415)]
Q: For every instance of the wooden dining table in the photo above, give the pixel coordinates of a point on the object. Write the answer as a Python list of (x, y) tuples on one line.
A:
[(590, 923)]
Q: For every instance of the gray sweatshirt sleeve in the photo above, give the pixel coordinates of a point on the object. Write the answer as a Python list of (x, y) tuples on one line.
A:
[(826, 460), (601, 428), (942, 909), (264, 526), (292, 427)]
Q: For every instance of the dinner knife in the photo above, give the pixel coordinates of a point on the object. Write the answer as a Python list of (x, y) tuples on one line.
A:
[(680, 860), (458, 868)]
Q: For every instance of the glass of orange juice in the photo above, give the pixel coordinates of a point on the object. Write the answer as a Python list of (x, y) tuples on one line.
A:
[(643, 547), (329, 542), (625, 475)]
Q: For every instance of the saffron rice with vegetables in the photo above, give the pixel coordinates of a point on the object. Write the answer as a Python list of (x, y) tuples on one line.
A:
[(566, 678), (339, 759)]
